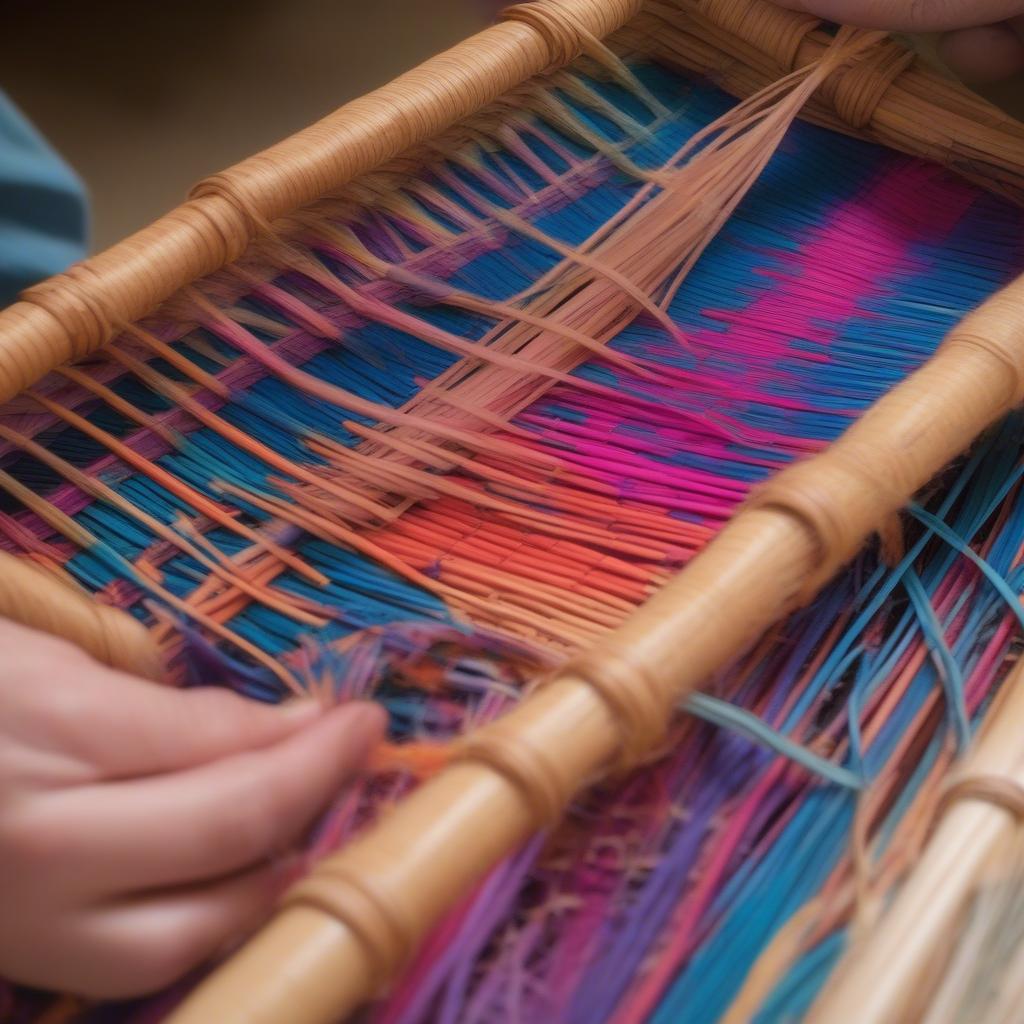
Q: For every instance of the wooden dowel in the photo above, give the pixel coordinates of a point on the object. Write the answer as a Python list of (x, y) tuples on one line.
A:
[(346, 930), (350, 926), (886, 973), (73, 314), (394, 883), (31, 596)]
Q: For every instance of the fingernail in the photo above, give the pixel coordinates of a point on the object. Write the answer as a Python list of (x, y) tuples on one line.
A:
[(301, 709)]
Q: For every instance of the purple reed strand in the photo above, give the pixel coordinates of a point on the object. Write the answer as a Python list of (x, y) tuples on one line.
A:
[(242, 373), (598, 990), (478, 1010), (518, 977), (578, 936), (811, 628), (451, 971), (781, 802), (480, 932), (726, 771), (587, 976)]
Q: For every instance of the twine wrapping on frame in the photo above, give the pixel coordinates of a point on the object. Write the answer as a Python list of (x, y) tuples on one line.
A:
[(367, 909), (1001, 791)]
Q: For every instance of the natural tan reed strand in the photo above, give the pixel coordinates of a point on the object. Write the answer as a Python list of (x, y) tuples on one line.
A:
[(744, 45), (349, 926), (77, 312)]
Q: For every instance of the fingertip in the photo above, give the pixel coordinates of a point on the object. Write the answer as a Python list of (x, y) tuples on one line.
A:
[(301, 710), (186, 728), (984, 54), (353, 730), (371, 716), (366, 720)]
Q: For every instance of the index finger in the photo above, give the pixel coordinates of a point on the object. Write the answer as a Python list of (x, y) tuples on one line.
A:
[(208, 821), (909, 15)]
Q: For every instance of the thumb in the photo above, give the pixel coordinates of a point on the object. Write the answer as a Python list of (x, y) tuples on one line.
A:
[(988, 53), (909, 15)]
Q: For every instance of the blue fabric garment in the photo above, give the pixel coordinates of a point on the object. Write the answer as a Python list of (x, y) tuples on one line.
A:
[(43, 214)]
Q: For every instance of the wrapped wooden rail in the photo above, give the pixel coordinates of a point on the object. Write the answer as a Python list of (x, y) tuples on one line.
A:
[(34, 598), (745, 45), (75, 313), (896, 103), (344, 931)]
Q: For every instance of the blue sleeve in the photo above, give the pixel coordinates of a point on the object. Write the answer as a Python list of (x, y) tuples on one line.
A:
[(43, 218)]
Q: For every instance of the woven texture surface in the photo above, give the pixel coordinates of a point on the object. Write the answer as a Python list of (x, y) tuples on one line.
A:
[(224, 469)]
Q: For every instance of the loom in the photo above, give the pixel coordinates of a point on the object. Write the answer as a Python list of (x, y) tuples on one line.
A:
[(652, 458)]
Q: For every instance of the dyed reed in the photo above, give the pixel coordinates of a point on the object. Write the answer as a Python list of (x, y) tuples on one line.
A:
[(450, 428)]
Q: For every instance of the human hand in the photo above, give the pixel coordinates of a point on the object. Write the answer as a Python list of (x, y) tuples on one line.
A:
[(138, 822), (982, 40)]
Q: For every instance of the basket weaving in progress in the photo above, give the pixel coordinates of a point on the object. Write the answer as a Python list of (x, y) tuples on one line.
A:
[(626, 400)]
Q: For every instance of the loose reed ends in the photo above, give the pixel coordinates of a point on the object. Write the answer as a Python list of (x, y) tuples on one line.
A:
[(386, 453), (366, 909), (745, 45)]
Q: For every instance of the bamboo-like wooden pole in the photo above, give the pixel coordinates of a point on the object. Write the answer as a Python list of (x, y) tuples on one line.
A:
[(350, 926), (347, 928), (745, 43), (73, 314), (887, 974), (33, 597), (77, 312)]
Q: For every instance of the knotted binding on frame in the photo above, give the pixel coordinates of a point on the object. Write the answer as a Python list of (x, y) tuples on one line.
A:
[(745, 46), (561, 26), (75, 312), (716, 602), (768, 28), (526, 765), (382, 927), (980, 808), (519, 771), (837, 497), (847, 492), (999, 790), (995, 330), (854, 90), (634, 696), (638, 702)]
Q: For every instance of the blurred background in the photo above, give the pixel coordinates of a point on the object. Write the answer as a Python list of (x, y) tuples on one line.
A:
[(143, 99)]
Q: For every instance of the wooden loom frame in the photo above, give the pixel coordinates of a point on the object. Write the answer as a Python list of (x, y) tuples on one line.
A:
[(348, 927)]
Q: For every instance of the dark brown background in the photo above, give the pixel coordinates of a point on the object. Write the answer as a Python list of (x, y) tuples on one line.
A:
[(144, 98)]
